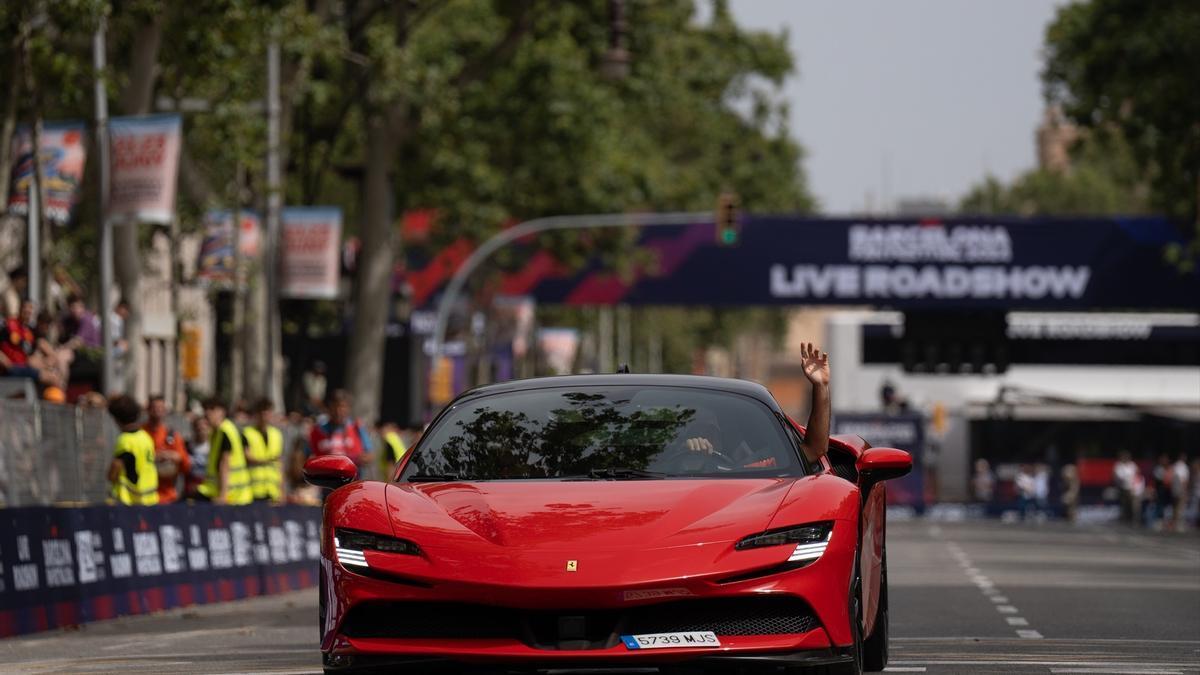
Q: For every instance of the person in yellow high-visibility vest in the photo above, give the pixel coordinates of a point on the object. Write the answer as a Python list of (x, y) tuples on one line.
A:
[(226, 480), (264, 453), (394, 448), (132, 473)]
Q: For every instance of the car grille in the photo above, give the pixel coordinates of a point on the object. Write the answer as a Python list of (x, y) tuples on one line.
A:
[(578, 629), (734, 616)]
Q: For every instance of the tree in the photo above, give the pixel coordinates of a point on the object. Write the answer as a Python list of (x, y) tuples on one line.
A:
[(487, 110), (1103, 179), (1130, 66)]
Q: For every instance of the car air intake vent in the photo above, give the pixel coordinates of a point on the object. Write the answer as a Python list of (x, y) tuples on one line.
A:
[(733, 616), (577, 629), (430, 620)]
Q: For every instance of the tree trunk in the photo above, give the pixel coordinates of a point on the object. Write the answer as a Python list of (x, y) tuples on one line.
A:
[(254, 313), (376, 258), (9, 126), (127, 259)]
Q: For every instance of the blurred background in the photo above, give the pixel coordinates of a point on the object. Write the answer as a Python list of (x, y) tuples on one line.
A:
[(985, 211)]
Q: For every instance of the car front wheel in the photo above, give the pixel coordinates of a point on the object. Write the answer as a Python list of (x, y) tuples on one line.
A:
[(875, 648)]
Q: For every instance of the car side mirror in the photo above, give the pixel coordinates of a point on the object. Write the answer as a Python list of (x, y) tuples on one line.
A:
[(330, 471), (880, 464)]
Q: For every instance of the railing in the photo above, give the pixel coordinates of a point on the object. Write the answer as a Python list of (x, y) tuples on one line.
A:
[(53, 454)]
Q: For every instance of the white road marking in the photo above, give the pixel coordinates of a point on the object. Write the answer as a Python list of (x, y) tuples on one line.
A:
[(1117, 671), (904, 669), (1133, 668), (274, 672), (988, 588)]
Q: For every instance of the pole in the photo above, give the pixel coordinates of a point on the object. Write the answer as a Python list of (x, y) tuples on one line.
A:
[(237, 357), (273, 387), (604, 362), (108, 371), (581, 222), (34, 241), (624, 337)]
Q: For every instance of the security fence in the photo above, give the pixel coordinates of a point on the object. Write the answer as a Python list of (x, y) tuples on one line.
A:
[(53, 454)]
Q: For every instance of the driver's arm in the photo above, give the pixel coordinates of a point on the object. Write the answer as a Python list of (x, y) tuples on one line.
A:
[(816, 436), (816, 369)]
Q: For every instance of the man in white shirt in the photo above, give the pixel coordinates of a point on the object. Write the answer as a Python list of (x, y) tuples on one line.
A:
[(1125, 473), (1180, 481)]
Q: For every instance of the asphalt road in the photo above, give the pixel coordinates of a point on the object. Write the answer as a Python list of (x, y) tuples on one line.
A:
[(965, 598)]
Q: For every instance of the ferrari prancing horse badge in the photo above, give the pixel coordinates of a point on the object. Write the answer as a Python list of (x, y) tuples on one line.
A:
[(572, 565)]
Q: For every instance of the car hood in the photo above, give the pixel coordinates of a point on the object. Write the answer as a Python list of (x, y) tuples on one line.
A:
[(599, 515)]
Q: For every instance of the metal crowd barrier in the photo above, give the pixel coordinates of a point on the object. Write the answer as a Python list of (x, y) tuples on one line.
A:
[(53, 454)]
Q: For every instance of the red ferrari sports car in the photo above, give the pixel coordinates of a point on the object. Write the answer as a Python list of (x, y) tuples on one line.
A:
[(577, 522)]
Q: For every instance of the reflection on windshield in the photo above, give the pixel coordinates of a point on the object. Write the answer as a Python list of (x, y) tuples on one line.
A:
[(559, 433)]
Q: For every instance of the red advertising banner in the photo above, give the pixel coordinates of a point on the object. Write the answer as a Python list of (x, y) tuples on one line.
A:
[(309, 252), (145, 165)]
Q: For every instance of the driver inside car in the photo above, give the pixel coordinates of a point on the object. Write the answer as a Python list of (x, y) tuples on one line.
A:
[(704, 437)]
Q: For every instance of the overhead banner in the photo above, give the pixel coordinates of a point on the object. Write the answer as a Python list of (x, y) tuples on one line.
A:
[(67, 566), (309, 252), (145, 165), (216, 250), (953, 263), (63, 153)]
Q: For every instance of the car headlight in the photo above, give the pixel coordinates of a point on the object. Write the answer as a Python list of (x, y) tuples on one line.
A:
[(351, 544), (809, 540)]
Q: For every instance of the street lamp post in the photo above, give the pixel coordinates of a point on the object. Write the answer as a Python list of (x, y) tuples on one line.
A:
[(108, 370)]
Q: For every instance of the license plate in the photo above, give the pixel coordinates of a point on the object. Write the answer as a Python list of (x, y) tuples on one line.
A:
[(671, 640)]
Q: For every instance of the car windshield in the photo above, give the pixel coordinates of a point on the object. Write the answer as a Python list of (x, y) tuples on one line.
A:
[(605, 433)]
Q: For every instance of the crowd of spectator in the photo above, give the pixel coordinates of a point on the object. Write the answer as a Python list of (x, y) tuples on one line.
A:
[(1159, 495), (1166, 496), (260, 453), (45, 347)]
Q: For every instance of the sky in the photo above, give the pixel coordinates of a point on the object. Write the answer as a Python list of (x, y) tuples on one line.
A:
[(904, 99)]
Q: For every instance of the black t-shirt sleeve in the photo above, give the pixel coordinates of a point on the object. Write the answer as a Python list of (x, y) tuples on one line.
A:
[(130, 466), (225, 445)]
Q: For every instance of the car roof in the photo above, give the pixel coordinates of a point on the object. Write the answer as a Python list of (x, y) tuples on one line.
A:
[(726, 384)]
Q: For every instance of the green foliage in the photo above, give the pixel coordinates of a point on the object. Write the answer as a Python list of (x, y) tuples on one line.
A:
[(1131, 66), (1102, 180), (504, 110)]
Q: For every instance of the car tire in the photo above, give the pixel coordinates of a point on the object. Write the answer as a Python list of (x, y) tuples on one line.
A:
[(855, 667), (875, 648), (322, 610)]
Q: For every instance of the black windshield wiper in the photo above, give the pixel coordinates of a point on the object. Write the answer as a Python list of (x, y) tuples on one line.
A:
[(432, 478), (624, 473)]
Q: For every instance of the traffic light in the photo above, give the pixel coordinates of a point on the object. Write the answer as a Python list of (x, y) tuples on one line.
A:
[(728, 225)]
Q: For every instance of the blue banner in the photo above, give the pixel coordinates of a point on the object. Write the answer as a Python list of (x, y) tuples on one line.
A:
[(905, 432), (66, 566), (961, 263)]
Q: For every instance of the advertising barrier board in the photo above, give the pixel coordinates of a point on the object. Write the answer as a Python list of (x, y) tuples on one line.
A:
[(67, 566)]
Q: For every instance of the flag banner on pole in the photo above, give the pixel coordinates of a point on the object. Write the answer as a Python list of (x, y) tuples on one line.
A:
[(216, 251), (145, 165), (309, 252), (63, 153)]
